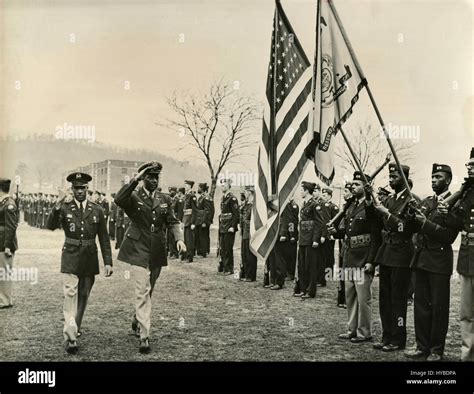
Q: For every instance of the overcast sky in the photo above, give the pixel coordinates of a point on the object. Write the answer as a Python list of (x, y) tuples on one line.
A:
[(417, 57)]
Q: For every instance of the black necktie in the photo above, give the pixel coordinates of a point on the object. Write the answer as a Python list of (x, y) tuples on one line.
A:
[(81, 209)]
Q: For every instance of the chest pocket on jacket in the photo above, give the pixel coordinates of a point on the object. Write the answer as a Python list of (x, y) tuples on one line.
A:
[(133, 233), (164, 208)]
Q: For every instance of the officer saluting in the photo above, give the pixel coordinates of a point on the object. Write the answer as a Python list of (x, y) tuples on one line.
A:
[(82, 221), (8, 242), (144, 246), (228, 221)]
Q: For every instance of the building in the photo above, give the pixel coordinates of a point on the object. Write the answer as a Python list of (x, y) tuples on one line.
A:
[(108, 175)]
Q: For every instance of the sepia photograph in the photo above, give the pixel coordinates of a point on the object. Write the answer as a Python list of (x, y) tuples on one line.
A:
[(233, 189)]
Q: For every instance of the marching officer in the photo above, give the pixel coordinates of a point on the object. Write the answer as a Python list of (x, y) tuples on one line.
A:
[(189, 221), (113, 218), (282, 258), (228, 222), (82, 220), (8, 241), (463, 211), (171, 242), (394, 256), (433, 265), (363, 239), (312, 234), (249, 260), (144, 246)]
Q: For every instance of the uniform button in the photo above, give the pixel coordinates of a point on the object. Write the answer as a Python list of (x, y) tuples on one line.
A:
[(82, 222), (82, 228), (82, 235)]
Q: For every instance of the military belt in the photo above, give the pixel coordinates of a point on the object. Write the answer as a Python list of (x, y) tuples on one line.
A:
[(188, 211), (358, 241), (394, 238), (79, 242), (226, 215), (155, 229)]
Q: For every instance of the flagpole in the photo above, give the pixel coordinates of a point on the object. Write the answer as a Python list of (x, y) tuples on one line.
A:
[(371, 97)]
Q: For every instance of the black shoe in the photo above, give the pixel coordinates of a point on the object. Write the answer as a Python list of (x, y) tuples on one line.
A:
[(304, 296), (300, 294), (433, 357), (346, 336), (276, 287), (416, 354), (249, 280), (71, 347), (379, 345), (361, 339), (228, 273), (391, 348), (136, 329), (144, 346), (6, 306)]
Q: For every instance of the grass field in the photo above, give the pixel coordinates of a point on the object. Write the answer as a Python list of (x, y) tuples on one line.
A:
[(197, 315)]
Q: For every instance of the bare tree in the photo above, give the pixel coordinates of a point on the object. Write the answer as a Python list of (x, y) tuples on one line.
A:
[(371, 148), (217, 125)]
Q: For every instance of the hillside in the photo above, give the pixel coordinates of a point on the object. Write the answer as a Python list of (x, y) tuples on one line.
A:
[(40, 161)]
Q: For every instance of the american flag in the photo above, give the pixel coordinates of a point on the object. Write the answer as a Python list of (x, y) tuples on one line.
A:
[(285, 132)]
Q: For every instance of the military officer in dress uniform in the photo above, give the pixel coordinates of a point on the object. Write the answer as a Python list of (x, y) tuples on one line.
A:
[(179, 204), (282, 258), (394, 256), (82, 221), (202, 222), (144, 246), (341, 291), (433, 265), (249, 260), (8, 241), (363, 239), (312, 234), (463, 211), (228, 222), (332, 209), (171, 242), (189, 221), (323, 217), (112, 218)]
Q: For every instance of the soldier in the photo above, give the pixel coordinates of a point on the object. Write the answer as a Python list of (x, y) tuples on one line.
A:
[(362, 242), (332, 209), (8, 241), (462, 209), (82, 221), (121, 225), (323, 216), (189, 221), (282, 258), (433, 264), (394, 257), (249, 260), (312, 234), (113, 218), (203, 212), (179, 204), (144, 245), (171, 242), (341, 291), (105, 206), (228, 222)]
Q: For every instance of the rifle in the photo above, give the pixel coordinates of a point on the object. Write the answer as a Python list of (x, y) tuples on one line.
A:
[(452, 200), (336, 219)]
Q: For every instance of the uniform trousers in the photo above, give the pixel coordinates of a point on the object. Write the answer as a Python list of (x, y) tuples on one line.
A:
[(76, 293), (467, 318), (6, 264)]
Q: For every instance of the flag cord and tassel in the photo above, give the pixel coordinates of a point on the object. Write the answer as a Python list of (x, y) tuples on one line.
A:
[(371, 97)]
